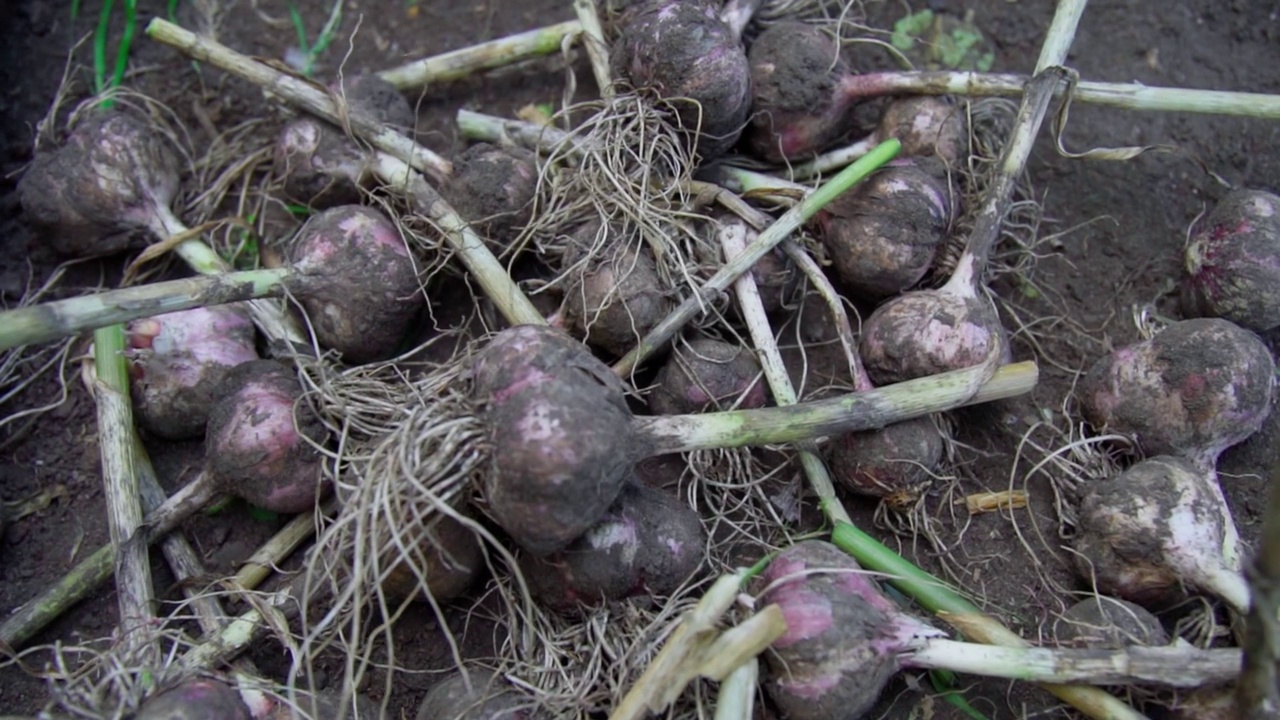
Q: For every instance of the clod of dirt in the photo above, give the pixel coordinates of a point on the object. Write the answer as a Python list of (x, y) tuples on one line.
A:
[(682, 49), (614, 297), (318, 164), (194, 699), (1105, 622), (376, 97), (896, 462), (115, 174), (649, 543), (797, 109), (883, 234), (560, 436), (1155, 530), (493, 189), (177, 360), (476, 695), (840, 648), (1197, 387), (258, 444), (1232, 262), (449, 558), (372, 293), (705, 375)]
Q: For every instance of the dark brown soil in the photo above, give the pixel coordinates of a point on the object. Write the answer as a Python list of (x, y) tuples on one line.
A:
[(1122, 223)]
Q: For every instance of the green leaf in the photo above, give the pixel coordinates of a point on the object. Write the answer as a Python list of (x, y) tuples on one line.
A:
[(909, 28), (944, 681)]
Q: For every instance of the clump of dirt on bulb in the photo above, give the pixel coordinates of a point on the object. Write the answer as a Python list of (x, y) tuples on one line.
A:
[(493, 189)]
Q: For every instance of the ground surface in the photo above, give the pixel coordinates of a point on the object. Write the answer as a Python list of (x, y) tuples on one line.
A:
[(1122, 223)]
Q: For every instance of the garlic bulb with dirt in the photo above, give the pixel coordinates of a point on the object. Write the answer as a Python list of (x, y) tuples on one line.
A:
[(883, 234), (704, 374), (685, 52), (843, 636), (797, 108), (176, 362), (649, 543), (1232, 261), (115, 174), (1156, 530), (260, 444), (1195, 388), (320, 165), (1106, 622), (493, 189), (374, 295), (614, 295)]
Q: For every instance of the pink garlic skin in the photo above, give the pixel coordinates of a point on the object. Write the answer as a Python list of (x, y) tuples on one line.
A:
[(373, 294), (116, 174), (843, 636), (177, 360), (194, 699), (1232, 262), (1196, 388), (648, 544), (256, 444), (928, 332), (523, 355)]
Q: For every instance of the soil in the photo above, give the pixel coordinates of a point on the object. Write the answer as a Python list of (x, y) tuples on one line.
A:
[(1114, 229)]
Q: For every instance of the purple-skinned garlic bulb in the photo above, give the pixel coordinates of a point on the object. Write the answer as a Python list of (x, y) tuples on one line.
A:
[(1232, 262), (843, 637), (176, 362)]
